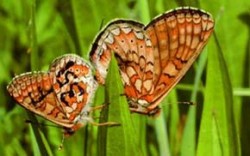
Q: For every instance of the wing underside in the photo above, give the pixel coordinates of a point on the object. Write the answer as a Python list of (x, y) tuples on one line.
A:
[(178, 37), (34, 92)]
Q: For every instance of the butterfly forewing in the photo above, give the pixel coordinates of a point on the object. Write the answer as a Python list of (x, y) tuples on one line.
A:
[(133, 52), (178, 37), (34, 91)]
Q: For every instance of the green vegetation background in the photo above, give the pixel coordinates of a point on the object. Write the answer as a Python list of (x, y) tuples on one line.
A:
[(33, 33)]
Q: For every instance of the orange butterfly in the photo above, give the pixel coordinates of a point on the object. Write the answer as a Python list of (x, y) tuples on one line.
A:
[(153, 58), (62, 95)]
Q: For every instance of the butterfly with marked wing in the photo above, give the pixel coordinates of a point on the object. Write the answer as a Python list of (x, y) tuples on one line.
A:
[(153, 58), (62, 95)]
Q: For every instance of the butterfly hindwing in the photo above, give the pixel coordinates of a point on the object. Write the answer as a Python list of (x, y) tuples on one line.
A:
[(178, 37), (73, 85)]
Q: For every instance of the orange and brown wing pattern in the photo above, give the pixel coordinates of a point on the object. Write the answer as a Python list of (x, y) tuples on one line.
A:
[(73, 84), (178, 37), (153, 58), (62, 95), (34, 92), (133, 52)]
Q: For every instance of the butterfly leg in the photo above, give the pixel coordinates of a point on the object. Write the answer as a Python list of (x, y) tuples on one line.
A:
[(98, 107), (104, 123)]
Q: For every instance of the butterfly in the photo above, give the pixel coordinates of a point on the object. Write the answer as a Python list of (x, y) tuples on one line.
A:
[(62, 95), (153, 58)]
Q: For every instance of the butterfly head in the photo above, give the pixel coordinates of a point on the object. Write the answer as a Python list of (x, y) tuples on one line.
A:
[(80, 121), (141, 106)]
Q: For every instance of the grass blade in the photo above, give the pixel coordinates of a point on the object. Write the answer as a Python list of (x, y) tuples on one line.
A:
[(122, 140), (217, 132), (43, 149)]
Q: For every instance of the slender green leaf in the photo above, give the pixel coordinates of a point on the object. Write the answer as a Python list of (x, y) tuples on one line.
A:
[(42, 142), (121, 139), (189, 136), (217, 132)]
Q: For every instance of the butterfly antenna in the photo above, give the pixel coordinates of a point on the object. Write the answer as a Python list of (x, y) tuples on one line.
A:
[(187, 103), (99, 107), (111, 124), (181, 102)]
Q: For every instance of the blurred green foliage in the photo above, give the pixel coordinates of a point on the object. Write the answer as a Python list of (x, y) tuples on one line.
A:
[(33, 33)]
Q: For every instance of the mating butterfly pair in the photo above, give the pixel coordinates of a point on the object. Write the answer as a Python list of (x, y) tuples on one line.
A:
[(152, 59)]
